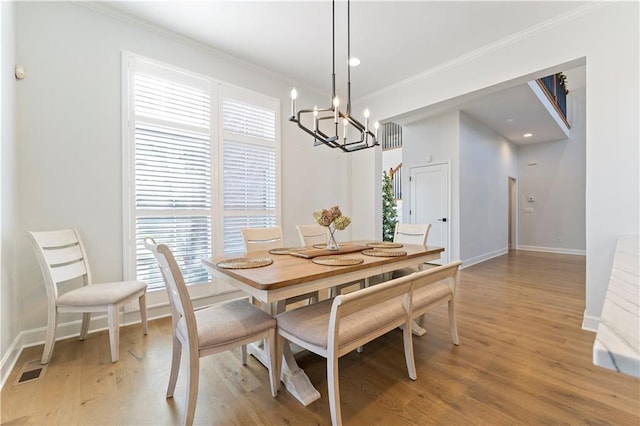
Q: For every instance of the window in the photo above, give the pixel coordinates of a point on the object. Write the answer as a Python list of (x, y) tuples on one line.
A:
[(182, 186), (249, 170)]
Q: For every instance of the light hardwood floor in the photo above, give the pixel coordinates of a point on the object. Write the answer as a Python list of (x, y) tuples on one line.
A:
[(522, 359)]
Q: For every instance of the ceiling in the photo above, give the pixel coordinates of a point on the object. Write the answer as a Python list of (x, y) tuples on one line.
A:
[(394, 40)]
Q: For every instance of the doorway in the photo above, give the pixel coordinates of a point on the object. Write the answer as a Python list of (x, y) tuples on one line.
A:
[(430, 204)]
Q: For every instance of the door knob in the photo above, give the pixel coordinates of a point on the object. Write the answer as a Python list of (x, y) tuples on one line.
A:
[(444, 219)]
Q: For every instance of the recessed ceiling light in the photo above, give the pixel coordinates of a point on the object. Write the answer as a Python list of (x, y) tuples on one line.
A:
[(509, 120), (527, 135), (354, 62)]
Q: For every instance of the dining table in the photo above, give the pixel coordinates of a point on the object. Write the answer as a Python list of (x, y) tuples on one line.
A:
[(290, 273)]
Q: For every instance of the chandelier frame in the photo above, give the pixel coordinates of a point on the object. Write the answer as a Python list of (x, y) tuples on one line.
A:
[(364, 138)]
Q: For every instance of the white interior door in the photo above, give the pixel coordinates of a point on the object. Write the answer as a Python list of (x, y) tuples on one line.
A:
[(430, 204)]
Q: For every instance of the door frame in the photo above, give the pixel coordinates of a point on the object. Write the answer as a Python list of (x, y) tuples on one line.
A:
[(512, 221), (449, 202)]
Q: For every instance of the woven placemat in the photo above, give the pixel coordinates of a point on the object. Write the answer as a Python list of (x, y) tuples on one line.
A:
[(245, 262), (384, 244), (286, 250), (337, 260), (384, 253)]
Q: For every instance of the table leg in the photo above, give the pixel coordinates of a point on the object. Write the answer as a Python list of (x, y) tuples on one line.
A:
[(294, 378), (416, 329)]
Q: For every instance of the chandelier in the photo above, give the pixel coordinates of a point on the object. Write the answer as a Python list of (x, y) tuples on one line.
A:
[(330, 126)]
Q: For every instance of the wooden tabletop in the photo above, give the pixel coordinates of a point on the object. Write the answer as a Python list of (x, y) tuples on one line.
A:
[(287, 270)]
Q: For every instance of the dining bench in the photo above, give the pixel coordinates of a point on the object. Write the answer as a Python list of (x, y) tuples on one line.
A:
[(335, 327)]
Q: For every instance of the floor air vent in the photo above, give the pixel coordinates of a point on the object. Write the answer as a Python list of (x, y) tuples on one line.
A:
[(31, 371)]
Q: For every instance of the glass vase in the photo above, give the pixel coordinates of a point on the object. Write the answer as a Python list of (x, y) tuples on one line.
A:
[(332, 244)]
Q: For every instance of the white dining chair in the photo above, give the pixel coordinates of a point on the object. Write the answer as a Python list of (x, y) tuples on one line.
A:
[(311, 235), (62, 257), (210, 330), (410, 233), (261, 239)]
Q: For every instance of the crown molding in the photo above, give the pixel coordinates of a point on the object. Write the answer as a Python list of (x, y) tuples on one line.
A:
[(492, 47), (101, 8)]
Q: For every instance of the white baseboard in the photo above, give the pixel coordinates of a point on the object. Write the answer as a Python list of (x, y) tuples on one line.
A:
[(484, 257), (553, 250), (9, 359), (590, 323), (71, 329)]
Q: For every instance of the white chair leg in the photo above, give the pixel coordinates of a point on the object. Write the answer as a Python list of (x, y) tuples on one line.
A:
[(272, 355), (243, 354), (192, 386), (50, 338), (279, 355), (175, 366), (86, 319), (452, 323), (334, 389), (142, 303), (407, 337), (113, 313)]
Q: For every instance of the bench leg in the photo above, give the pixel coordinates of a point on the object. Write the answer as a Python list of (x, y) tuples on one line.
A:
[(452, 323), (334, 389), (407, 336)]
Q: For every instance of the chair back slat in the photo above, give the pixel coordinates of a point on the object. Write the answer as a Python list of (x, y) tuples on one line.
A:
[(411, 233), (258, 239), (312, 234), (62, 255), (49, 239), (68, 272)]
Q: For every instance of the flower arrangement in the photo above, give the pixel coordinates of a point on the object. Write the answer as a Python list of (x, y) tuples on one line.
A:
[(334, 220)]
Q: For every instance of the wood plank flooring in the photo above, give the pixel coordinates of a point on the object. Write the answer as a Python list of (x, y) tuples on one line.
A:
[(522, 359)]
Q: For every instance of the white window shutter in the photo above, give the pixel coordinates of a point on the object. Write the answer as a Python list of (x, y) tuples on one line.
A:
[(249, 165), (172, 175)]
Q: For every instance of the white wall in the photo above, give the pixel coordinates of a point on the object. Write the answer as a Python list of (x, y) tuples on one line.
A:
[(9, 312), (431, 141), (487, 160), (481, 161), (612, 134), (557, 181), (366, 180), (69, 128)]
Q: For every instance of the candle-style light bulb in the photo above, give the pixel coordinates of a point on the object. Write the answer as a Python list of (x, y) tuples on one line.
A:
[(366, 120), (336, 104), (315, 118), (376, 125), (344, 131), (294, 95)]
